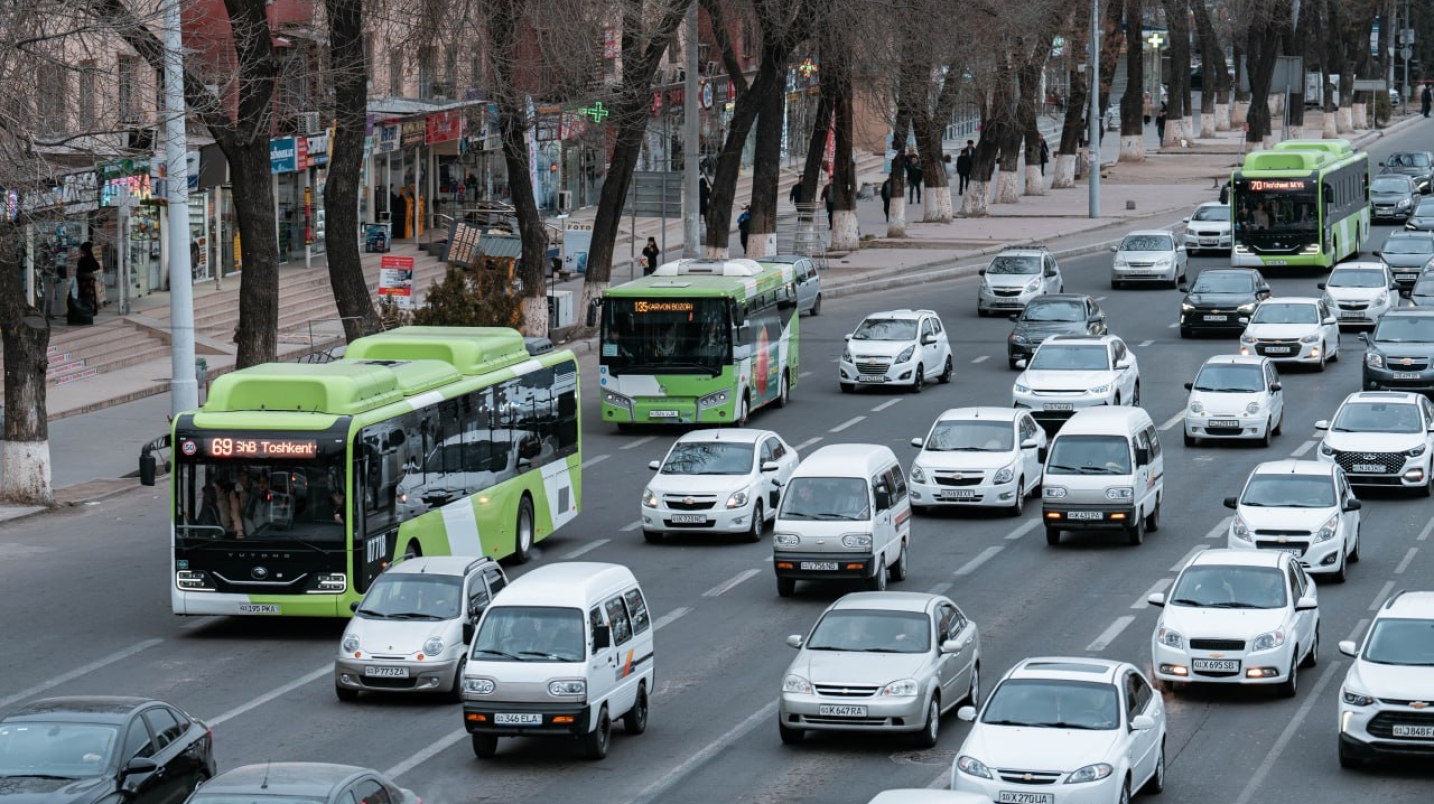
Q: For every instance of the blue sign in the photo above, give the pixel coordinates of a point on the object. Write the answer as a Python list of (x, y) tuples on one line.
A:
[(283, 156)]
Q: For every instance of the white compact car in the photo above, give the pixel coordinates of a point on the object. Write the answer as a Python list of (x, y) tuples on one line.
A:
[(1361, 291), (1065, 730), (1208, 229), (717, 481), (1235, 397), (1296, 329), (1237, 617), (1305, 508), (897, 347), (1384, 708), (410, 631), (979, 457), (1014, 277), (1148, 256), (1382, 438), (1071, 372)]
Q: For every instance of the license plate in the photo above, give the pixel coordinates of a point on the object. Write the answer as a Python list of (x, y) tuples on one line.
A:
[(1224, 423), (1294, 551), (1209, 241), (1057, 406), (831, 710), (1012, 797), (1277, 262), (689, 518), (662, 414), (1277, 350), (957, 494), (1344, 314), (258, 608), (373, 671), (1217, 318), (1085, 515), (1406, 277), (518, 719), (1368, 468), (1406, 375), (871, 378), (1425, 732), (1217, 665), (820, 566)]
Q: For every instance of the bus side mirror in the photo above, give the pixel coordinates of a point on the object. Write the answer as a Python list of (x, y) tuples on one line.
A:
[(592, 315), (148, 467)]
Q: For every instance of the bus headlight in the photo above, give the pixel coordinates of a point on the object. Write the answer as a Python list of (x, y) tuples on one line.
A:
[(617, 400), (332, 583), (712, 400), (193, 581)]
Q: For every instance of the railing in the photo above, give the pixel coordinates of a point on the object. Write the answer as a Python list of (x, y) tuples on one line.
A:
[(326, 355)]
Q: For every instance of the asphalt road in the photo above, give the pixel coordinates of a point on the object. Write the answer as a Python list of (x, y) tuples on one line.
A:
[(84, 593)]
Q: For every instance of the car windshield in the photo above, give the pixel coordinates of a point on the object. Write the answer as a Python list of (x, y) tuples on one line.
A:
[(530, 634), (1272, 490), (1401, 641), (826, 498), (1424, 287), (1051, 357), (1425, 208), (1060, 310), (885, 329), (1390, 184), (1410, 245), (1089, 455), (1224, 282), (1053, 704), (1285, 313), (1212, 213), (412, 596), (971, 435), (1405, 329), (56, 749), (1231, 378), (1014, 265), (709, 458), (872, 631), (1230, 587), (1408, 160), (1378, 417), (1150, 242), (1358, 278)]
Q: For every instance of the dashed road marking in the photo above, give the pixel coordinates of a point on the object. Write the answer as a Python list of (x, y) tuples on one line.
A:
[(670, 617), (595, 460), (1404, 565), (1023, 530), (1358, 628), (1108, 636), (71, 675), (638, 443), (1222, 528), (1288, 734), (806, 374), (940, 588), (587, 548), (848, 423), (981, 558), (1144, 344), (1173, 326), (1194, 551), (981, 359), (1172, 421), (1383, 593), (1160, 586), (1101, 298), (727, 585), (631, 526), (807, 443), (1424, 534), (256, 702), (887, 404), (1303, 448)]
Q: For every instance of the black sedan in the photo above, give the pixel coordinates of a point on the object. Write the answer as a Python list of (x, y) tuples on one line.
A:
[(1056, 314), (1422, 294), (302, 783), (1422, 219), (1417, 165), (1221, 299), (102, 749), (1406, 254), (1393, 197)]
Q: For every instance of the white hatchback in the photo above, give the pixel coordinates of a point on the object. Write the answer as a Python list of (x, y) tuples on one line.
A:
[(1208, 229), (1235, 397), (717, 481), (1362, 292), (1305, 508), (978, 457), (1382, 438), (896, 347), (1297, 329)]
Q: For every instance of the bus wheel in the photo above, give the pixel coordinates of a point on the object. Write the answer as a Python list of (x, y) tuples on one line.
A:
[(786, 394), (743, 411), (523, 531)]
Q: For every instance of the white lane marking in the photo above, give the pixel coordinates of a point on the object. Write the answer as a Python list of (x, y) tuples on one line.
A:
[(885, 405), (71, 675), (1303, 448), (425, 754), (727, 585), (1172, 421), (1023, 530), (670, 617), (631, 526), (1101, 298), (327, 671), (848, 423), (1160, 586), (1220, 529), (1383, 593), (1424, 534), (1288, 734), (1173, 326), (1144, 344), (1358, 628), (806, 374), (587, 548), (1194, 551), (638, 443), (595, 460), (815, 439), (975, 563), (1108, 635), (940, 588), (1404, 565), (981, 359), (657, 790)]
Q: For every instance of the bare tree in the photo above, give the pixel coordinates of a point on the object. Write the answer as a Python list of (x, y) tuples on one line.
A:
[(1177, 17), (1074, 127), (845, 231), (1265, 32), (1132, 104), (997, 122), (1215, 78)]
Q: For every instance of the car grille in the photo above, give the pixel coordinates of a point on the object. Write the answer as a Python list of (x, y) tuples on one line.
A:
[(1413, 364), (1390, 461), (1382, 725), (378, 682), (963, 480), (1134, 264), (1206, 234), (1293, 345), (1217, 644), (1353, 305), (845, 690), (696, 504), (1027, 777), (872, 368), (1006, 291)]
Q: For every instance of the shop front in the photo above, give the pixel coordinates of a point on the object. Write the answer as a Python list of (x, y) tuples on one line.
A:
[(134, 224)]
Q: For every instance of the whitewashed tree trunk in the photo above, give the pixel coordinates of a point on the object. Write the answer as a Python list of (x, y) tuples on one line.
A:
[(1295, 132), (1329, 128), (1359, 117), (1346, 119), (938, 204), (1008, 187), (1208, 126), (1189, 123), (1222, 117), (896, 227), (1239, 113), (762, 245), (1132, 148), (715, 252), (1035, 182), (846, 231), (25, 471), (1065, 172), (535, 316), (975, 202)]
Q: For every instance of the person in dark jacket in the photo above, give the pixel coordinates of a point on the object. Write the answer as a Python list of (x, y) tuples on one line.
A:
[(1426, 97), (914, 175), (744, 225), (86, 301), (963, 166), (886, 199), (650, 255), (1045, 152), (829, 202), (796, 194)]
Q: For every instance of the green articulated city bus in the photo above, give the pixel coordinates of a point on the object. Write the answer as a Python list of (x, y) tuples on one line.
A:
[(1303, 202), (699, 341), (296, 484)]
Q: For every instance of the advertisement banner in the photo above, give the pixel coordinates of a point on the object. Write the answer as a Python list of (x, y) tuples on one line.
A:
[(318, 150), (388, 137), (443, 126), (301, 153), (413, 132), (395, 280), (282, 156)]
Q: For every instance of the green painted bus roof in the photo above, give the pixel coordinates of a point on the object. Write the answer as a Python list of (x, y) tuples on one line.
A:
[(1300, 158), (469, 350), (1337, 148), (772, 276)]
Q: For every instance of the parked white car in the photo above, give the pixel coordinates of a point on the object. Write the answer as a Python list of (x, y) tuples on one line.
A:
[(897, 347), (718, 481), (1014, 277), (1382, 438), (1235, 397), (978, 457), (1148, 256), (1305, 508), (1071, 372), (1208, 228), (1384, 703), (1237, 617), (1361, 291), (1060, 730), (1293, 328)]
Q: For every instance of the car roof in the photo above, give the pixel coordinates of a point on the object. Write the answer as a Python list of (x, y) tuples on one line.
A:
[(563, 585), (854, 459), (784, 258), (1409, 312), (926, 795), (740, 435), (1414, 605), (902, 313), (1024, 251), (1294, 466), (1067, 668), (1359, 264), (1059, 297), (1240, 360), (437, 565), (885, 601), (1406, 397), (983, 413), (1226, 556), (1292, 300), (1244, 271), (1142, 232), (1102, 339), (80, 709), (315, 779), (1211, 204), (1100, 420), (1409, 233)]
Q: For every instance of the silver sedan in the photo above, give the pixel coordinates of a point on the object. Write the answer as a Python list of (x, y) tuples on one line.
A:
[(881, 661)]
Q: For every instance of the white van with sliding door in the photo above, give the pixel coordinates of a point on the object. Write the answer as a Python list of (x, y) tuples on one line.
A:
[(1104, 471), (845, 515), (561, 652)]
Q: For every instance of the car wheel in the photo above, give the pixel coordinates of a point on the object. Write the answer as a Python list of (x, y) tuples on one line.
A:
[(652, 536), (1424, 490), (1018, 507), (595, 742), (1190, 440), (1135, 534), (817, 306), (790, 736), (345, 694), (635, 721), (1269, 431), (455, 692), (1341, 574), (1115, 284), (1323, 355), (786, 587), (759, 523), (899, 569), (919, 381), (982, 312), (1125, 792), (973, 691), (1354, 553), (931, 731), (1156, 785), (1348, 760), (948, 372), (1152, 522), (847, 387), (1135, 400), (1053, 536), (1334, 358), (1291, 686), (1186, 332), (1312, 658), (523, 531), (1011, 361), (485, 746), (785, 396), (877, 581), (1280, 425)]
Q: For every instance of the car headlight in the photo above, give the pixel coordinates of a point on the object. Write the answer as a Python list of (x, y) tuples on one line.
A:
[(1090, 773), (433, 646), (1248, 307), (906, 354), (1326, 450), (1162, 261), (1022, 389), (1328, 529), (1374, 359), (1253, 407), (478, 686), (1240, 530), (1197, 407), (1355, 697), (918, 474), (571, 686), (906, 687), (1054, 492), (1186, 307), (795, 683), (1170, 638), (1309, 338), (846, 356), (1416, 452), (649, 500), (1100, 389), (1120, 493), (786, 539), (856, 540), (1403, 202), (1119, 262), (737, 500), (1005, 475), (1382, 298), (1246, 338), (350, 643), (1269, 640), (1018, 339), (1034, 284), (972, 766)]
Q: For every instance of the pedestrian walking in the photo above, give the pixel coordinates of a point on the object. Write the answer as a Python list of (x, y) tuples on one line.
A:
[(744, 223), (650, 255), (1426, 97), (886, 199), (963, 166), (828, 202), (914, 176), (796, 194), (704, 193), (1160, 123), (1045, 152)]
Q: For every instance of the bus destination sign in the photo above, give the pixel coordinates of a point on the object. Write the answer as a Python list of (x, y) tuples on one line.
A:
[(261, 448), (644, 306), (1277, 185)]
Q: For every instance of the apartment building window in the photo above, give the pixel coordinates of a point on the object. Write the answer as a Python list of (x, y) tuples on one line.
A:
[(395, 73), (129, 89), (85, 99), (427, 72), (50, 81)]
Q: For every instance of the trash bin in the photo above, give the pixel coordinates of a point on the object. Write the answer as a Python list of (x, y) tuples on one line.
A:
[(201, 375)]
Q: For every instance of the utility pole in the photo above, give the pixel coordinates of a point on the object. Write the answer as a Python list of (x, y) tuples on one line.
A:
[(1093, 115), (183, 385), (691, 146)]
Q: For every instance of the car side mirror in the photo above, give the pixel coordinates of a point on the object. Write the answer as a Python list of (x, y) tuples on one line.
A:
[(981, 272), (794, 641), (1275, 386), (1115, 248), (602, 637), (1376, 253), (1156, 600), (1364, 336), (848, 337), (966, 713), (1330, 320), (1142, 723), (1322, 424), (1016, 317), (916, 442), (1349, 647), (1185, 220), (354, 606), (1020, 364), (139, 765), (1123, 363), (1321, 285), (1189, 386), (1306, 603), (770, 466), (1183, 288), (654, 465), (929, 340), (1030, 443), (1353, 505), (953, 646), (1231, 502)]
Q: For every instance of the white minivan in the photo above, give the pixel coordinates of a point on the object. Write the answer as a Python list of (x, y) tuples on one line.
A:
[(845, 514), (1104, 471), (561, 652)]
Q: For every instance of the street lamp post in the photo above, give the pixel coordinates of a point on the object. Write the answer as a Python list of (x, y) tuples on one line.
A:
[(1155, 40), (184, 385), (1093, 113)]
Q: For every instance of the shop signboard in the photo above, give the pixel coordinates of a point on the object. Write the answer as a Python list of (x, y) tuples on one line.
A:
[(301, 153), (413, 133), (443, 126), (282, 156), (388, 137), (318, 150), (395, 280)]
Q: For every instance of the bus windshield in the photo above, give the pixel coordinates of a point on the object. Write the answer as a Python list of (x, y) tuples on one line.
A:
[(1275, 206), (261, 502), (666, 336)]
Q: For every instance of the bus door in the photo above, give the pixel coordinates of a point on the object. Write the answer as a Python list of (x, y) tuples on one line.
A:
[(371, 551)]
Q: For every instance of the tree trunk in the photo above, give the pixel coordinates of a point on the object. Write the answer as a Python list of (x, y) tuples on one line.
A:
[(1177, 17), (1298, 40), (1264, 47), (1072, 131), (341, 190), (1335, 66), (846, 232), (1112, 42), (896, 224), (1027, 109), (1240, 104), (814, 165), (936, 190), (766, 174), (729, 159), (251, 182), (1212, 59), (994, 120), (25, 450), (1132, 105)]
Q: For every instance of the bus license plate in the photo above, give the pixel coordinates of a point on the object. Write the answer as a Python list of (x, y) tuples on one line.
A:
[(831, 710), (690, 519), (1425, 732), (819, 566), (1230, 423), (871, 378), (1368, 468), (1406, 375), (1085, 515), (662, 414), (518, 718), (1277, 262), (373, 671), (1217, 665), (258, 608), (957, 494)]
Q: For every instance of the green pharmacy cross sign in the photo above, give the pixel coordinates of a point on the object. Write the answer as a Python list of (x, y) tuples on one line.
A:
[(597, 112), (807, 67)]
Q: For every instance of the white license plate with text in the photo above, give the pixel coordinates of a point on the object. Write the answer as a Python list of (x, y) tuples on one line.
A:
[(1012, 797), (871, 378), (1277, 350), (1085, 515), (833, 710), (1217, 318), (819, 566), (690, 518), (662, 414), (1216, 665), (957, 494), (258, 608), (1227, 423), (1368, 468), (518, 719), (378, 671), (1406, 375), (1057, 406), (1423, 732)]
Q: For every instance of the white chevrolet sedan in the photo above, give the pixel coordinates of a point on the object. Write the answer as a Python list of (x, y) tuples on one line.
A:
[(717, 481), (896, 347), (978, 457), (1235, 397), (1296, 329), (1072, 372)]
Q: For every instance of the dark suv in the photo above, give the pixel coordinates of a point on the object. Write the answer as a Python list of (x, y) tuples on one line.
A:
[(1417, 165), (1400, 354)]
